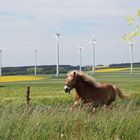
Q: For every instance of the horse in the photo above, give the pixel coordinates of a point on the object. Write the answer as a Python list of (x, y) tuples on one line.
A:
[(89, 91)]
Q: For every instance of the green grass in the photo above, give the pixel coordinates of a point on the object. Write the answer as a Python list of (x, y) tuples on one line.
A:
[(49, 116)]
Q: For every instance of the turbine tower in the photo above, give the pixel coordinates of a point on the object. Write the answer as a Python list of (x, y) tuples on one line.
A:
[(35, 62), (131, 56), (80, 58), (57, 54), (93, 42)]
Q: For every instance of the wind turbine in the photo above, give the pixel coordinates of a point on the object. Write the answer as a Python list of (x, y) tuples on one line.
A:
[(35, 62), (57, 53), (93, 42), (80, 58), (131, 56), (0, 62)]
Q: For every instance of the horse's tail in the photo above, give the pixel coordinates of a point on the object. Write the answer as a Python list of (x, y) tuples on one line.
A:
[(119, 93)]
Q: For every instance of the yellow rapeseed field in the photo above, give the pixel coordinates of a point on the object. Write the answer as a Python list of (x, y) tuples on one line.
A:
[(112, 69), (19, 78)]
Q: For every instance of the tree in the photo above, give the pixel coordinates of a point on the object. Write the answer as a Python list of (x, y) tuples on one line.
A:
[(133, 21)]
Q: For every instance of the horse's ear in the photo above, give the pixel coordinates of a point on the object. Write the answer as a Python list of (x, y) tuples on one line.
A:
[(74, 73)]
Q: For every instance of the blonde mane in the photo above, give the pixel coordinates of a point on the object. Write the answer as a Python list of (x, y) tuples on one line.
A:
[(86, 78)]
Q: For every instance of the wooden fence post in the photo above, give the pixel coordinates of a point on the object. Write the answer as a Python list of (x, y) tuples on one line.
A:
[(28, 98)]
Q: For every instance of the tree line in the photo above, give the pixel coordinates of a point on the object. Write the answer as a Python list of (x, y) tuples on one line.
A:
[(51, 69), (44, 69)]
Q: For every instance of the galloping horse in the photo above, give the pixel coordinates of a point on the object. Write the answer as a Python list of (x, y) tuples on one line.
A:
[(89, 91)]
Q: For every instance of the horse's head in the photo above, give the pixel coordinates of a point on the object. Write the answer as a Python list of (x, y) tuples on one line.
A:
[(70, 81)]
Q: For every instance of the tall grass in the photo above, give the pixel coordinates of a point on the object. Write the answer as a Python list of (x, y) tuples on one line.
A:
[(49, 116), (44, 122)]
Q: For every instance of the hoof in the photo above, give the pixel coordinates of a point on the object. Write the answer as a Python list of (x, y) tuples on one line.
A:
[(71, 109), (93, 110)]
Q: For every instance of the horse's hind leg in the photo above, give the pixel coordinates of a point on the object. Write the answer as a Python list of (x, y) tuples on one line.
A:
[(95, 104), (112, 96)]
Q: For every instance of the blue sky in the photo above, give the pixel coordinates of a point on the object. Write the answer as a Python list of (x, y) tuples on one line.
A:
[(26, 25)]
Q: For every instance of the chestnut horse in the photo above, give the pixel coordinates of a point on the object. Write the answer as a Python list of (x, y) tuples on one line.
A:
[(89, 91)]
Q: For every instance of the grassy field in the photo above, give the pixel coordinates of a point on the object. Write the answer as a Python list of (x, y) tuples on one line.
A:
[(49, 116)]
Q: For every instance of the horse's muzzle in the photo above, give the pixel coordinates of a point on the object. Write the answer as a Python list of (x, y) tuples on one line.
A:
[(67, 89)]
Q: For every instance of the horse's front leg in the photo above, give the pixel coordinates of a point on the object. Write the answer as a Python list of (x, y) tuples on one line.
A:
[(76, 103)]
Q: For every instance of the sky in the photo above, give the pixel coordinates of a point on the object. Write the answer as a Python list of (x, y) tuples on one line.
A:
[(29, 25)]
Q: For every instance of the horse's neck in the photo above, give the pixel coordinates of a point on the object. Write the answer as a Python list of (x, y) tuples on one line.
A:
[(81, 87)]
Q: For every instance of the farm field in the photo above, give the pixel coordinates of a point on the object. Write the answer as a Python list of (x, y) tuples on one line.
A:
[(49, 116)]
